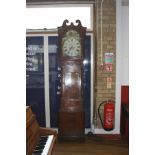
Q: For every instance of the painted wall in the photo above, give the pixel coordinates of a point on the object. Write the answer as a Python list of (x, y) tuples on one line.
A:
[(125, 45), (106, 43), (118, 44)]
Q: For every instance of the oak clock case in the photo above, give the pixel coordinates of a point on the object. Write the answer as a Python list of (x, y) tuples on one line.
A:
[(71, 123)]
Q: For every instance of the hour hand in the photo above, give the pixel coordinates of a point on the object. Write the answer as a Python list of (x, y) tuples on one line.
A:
[(71, 48)]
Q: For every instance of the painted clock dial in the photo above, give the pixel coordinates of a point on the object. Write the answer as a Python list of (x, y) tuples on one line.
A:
[(71, 44), (71, 47)]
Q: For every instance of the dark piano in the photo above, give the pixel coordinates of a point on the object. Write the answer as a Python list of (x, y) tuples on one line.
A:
[(39, 140)]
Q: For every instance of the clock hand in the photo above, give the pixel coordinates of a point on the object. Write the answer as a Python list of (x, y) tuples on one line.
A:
[(71, 48)]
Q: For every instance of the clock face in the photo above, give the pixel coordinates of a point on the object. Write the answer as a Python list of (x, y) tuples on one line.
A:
[(71, 47)]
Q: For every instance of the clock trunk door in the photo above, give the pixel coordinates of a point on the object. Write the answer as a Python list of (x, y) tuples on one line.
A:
[(71, 85)]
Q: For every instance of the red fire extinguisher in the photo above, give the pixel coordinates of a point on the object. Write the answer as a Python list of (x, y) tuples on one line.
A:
[(108, 115)]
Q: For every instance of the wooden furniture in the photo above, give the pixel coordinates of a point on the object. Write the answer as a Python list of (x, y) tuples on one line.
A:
[(71, 51), (125, 111), (125, 120), (34, 133)]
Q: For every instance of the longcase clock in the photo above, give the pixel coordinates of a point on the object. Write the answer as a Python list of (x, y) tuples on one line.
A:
[(71, 112)]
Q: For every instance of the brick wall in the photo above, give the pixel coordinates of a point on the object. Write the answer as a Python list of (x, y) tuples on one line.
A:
[(108, 45)]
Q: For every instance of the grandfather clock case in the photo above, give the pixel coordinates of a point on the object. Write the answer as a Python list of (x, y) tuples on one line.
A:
[(71, 125)]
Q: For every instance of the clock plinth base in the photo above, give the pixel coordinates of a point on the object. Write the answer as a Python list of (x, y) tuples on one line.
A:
[(71, 126)]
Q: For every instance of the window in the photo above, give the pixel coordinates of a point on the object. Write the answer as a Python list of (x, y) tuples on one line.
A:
[(50, 16)]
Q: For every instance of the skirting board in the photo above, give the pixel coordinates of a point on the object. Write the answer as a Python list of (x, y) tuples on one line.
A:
[(98, 131)]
